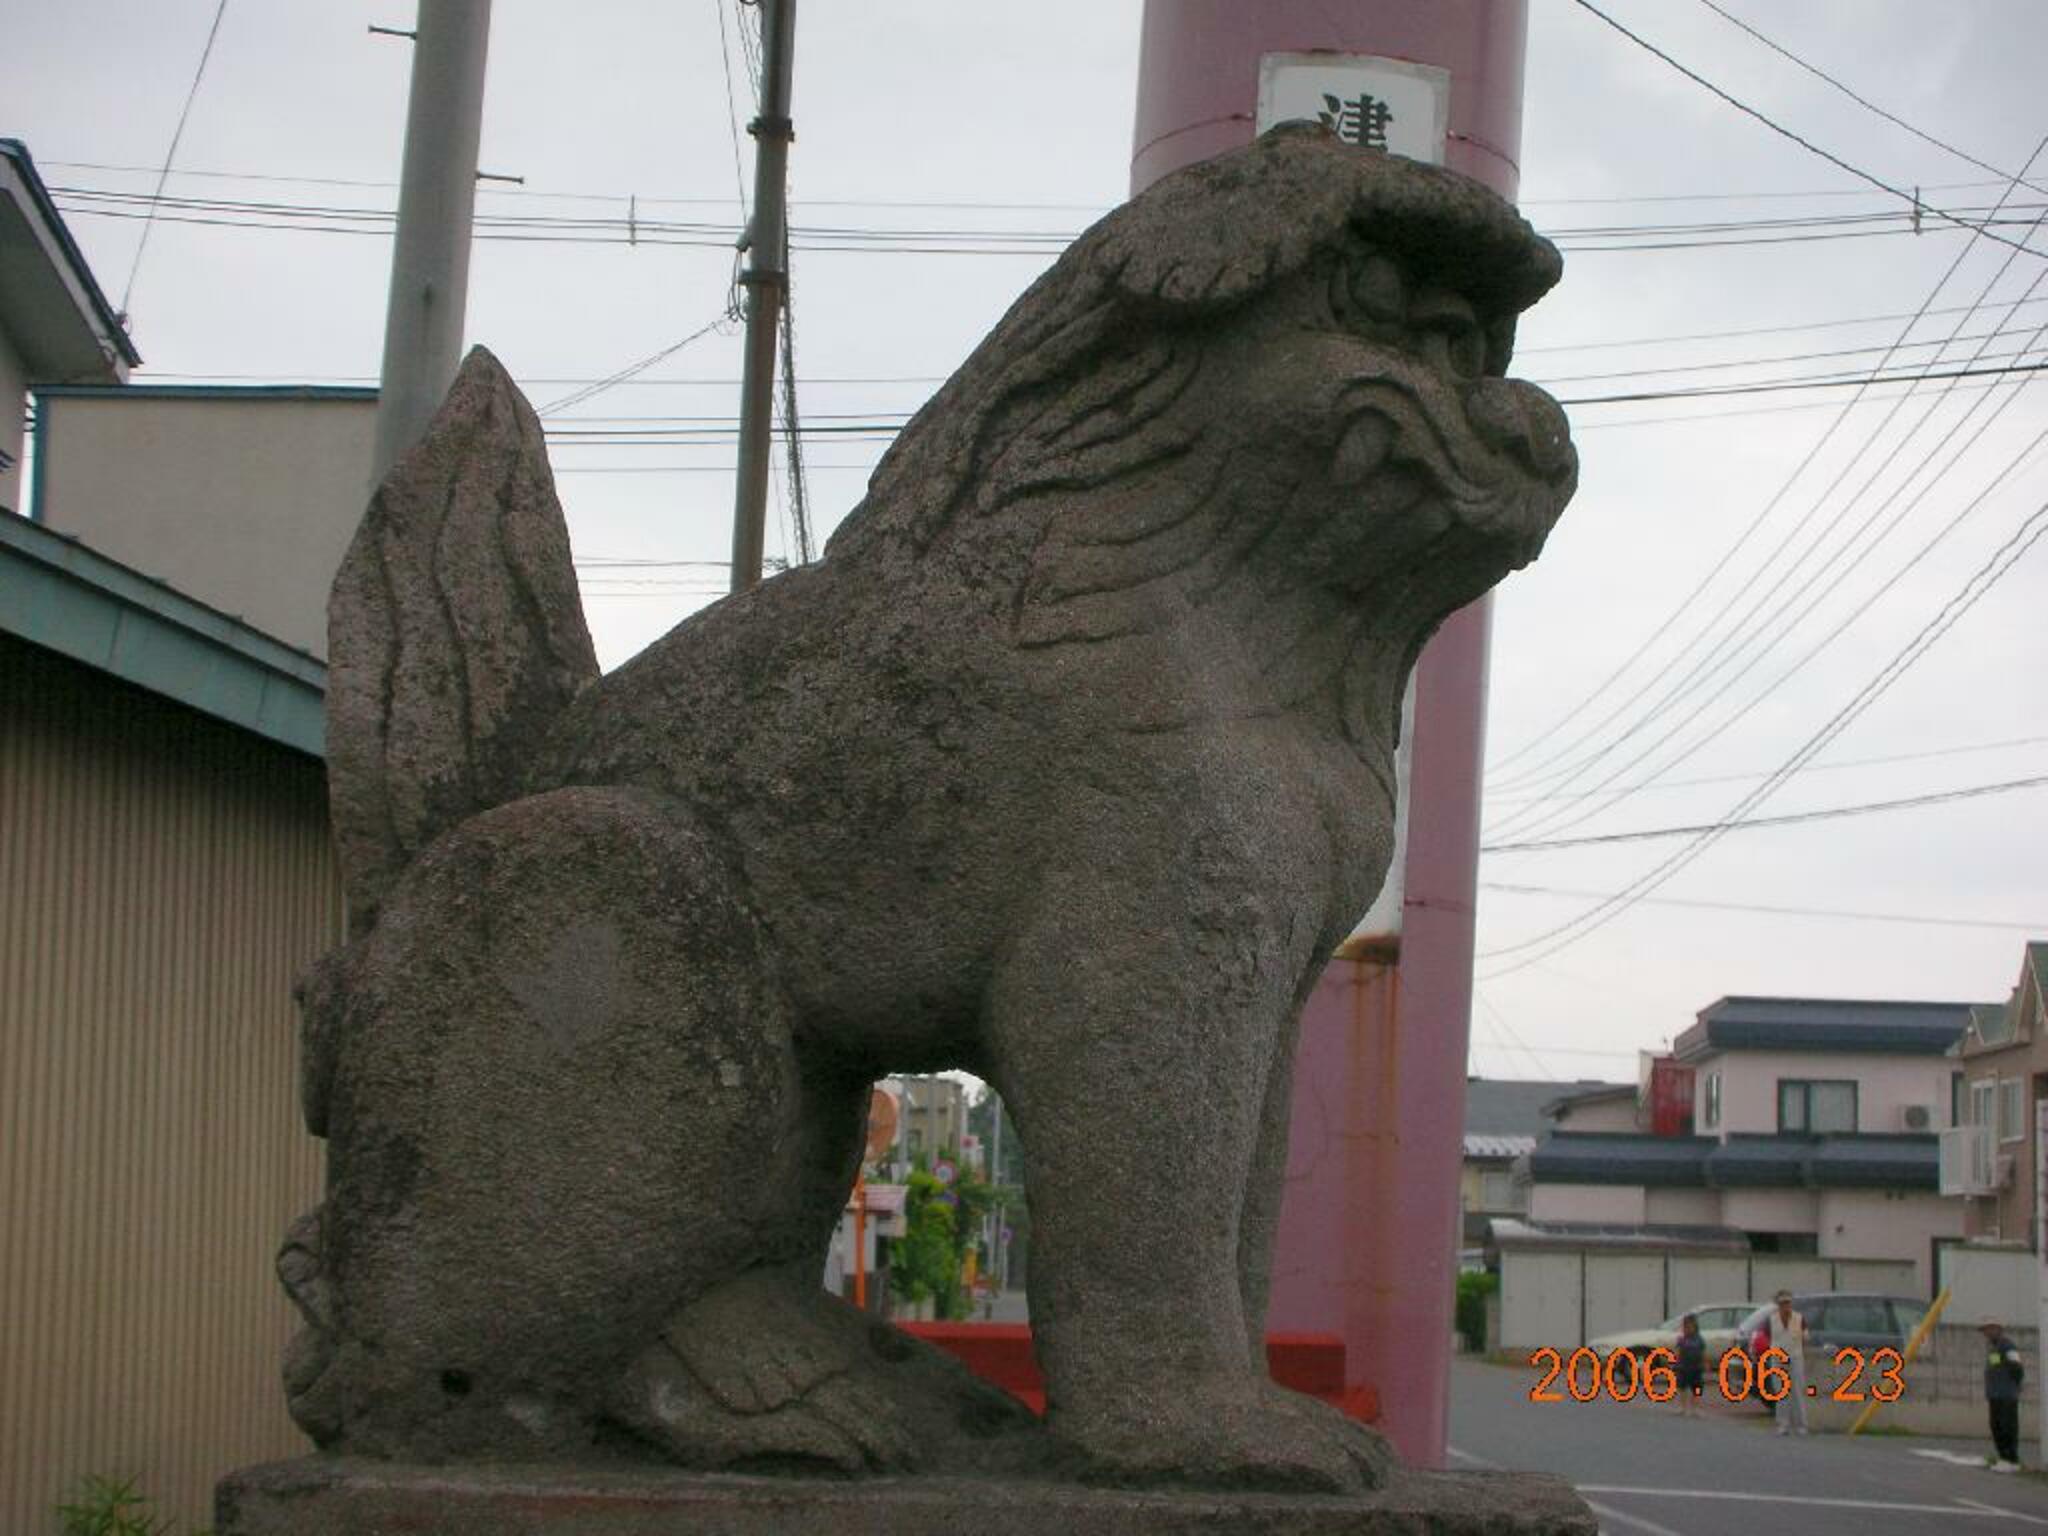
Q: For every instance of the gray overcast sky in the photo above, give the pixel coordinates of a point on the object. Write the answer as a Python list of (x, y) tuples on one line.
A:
[(972, 117)]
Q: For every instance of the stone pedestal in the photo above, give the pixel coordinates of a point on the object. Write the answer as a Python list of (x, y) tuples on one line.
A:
[(333, 1496)]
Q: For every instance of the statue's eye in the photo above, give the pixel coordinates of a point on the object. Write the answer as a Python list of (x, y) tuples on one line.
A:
[(1376, 288), (1448, 332)]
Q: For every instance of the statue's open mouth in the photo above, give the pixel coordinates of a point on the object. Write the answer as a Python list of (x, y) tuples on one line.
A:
[(1491, 456)]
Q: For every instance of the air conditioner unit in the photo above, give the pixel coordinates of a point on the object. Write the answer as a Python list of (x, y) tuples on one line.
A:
[(2002, 1172), (1916, 1117)]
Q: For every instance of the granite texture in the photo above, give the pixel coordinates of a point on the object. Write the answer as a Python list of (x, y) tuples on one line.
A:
[(321, 1496), (1070, 765)]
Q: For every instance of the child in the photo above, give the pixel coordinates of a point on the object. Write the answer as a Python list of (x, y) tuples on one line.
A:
[(1692, 1365)]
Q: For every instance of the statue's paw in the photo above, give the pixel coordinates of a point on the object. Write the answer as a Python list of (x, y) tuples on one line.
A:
[(1222, 1433), (778, 1413)]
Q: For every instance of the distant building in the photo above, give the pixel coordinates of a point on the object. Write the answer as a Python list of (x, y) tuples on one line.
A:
[(1999, 1072), (56, 327), (931, 1117), (1815, 1137), (1504, 1119), (168, 871)]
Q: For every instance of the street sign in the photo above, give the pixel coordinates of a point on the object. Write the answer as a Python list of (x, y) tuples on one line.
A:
[(1374, 103), (945, 1171), (882, 1118)]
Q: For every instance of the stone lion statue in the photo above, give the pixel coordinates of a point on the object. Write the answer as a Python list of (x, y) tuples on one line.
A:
[(1068, 765)]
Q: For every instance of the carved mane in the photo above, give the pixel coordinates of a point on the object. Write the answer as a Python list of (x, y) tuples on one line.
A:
[(1070, 391)]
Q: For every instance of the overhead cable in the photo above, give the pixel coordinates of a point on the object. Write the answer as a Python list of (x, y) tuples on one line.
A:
[(1783, 132)]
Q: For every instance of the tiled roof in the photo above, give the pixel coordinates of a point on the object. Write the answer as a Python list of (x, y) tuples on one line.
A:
[(1514, 1232), (1595, 1157), (1742, 1162), (1502, 1147), (1824, 1024), (1515, 1107), (1759, 1162), (1877, 1162)]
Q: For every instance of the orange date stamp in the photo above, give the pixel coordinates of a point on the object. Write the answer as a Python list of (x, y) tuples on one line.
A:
[(1621, 1376)]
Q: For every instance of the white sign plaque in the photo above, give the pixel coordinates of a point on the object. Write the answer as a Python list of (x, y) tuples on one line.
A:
[(1375, 103)]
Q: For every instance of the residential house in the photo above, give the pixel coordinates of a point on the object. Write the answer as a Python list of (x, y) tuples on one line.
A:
[(1504, 1119), (1999, 1070), (1815, 1123), (1805, 1158), (168, 872), (931, 1117)]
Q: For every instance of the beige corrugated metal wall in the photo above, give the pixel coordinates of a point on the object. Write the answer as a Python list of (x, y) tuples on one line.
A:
[(163, 877)]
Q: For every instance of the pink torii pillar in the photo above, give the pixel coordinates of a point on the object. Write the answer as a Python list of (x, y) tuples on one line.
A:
[(1368, 1236)]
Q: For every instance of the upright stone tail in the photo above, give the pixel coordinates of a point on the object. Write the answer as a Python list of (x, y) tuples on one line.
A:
[(455, 634)]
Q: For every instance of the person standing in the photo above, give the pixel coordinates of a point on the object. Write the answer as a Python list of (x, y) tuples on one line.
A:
[(2003, 1373), (1692, 1365), (1787, 1330)]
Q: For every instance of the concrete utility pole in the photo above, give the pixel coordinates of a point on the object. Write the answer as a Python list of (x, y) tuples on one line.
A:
[(766, 281), (1367, 1244), (436, 205)]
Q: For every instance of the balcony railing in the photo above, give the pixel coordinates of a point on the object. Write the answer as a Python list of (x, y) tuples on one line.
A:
[(1970, 1164)]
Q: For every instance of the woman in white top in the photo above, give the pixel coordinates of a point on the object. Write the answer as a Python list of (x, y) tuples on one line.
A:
[(1787, 1331)]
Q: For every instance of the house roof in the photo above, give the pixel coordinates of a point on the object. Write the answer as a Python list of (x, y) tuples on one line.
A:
[(1759, 1162), (50, 303), (1517, 1106), (1599, 1093), (1515, 1232), (1846, 1161), (1599, 1157), (1497, 1148), (61, 594), (1823, 1024)]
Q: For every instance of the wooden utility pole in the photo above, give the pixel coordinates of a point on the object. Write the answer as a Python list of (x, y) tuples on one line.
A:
[(766, 281), (436, 206)]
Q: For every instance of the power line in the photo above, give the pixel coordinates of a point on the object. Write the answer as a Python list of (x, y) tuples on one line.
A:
[(630, 228), (1757, 330), (177, 133), (1828, 813), (1861, 101), (1784, 132), (1506, 1029), (1836, 914), (677, 200), (1790, 614), (1860, 380), (732, 109), (1981, 581), (1680, 610), (1847, 763), (590, 391)]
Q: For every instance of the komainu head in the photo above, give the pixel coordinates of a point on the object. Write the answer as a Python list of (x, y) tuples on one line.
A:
[(1275, 374)]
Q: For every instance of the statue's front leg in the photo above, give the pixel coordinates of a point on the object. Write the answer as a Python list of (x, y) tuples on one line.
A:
[(1134, 1028)]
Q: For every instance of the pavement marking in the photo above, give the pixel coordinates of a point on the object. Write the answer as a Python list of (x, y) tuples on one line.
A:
[(1999, 1509), (1957, 1458), (1611, 1516), (1961, 1507)]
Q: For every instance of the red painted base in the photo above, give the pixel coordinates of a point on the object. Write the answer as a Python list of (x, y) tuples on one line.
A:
[(1000, 1353)]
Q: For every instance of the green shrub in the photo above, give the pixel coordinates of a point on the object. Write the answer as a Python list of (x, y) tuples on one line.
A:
[(1470, 1314), (104, 1507)]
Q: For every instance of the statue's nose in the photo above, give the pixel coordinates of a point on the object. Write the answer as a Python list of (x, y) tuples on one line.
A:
[(1522, 421)]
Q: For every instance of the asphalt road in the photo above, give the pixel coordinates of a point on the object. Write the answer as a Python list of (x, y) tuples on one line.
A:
[(1648, 1472)]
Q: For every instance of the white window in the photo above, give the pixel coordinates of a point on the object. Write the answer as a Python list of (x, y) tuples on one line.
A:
[(2012, 1122), (1982, 1093), (1813, 1107), (1710, 1102)]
